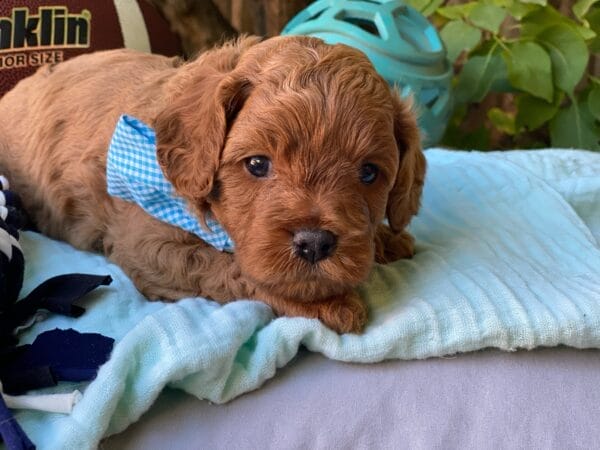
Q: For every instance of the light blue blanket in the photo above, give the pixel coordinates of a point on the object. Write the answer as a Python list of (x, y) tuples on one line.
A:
[(507, 257)]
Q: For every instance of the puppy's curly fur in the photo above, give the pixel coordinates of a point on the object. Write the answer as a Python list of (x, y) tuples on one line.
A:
[(318, 112)]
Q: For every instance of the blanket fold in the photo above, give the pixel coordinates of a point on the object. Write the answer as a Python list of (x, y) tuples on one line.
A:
[(507, 257)]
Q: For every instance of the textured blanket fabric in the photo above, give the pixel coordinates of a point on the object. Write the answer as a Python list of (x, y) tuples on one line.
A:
[(507, 257)]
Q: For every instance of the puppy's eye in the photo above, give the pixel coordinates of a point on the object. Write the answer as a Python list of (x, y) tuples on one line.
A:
[(259, 166), (368, 173)]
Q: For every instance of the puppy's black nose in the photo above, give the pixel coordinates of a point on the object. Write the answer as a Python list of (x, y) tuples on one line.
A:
[(314, 245)]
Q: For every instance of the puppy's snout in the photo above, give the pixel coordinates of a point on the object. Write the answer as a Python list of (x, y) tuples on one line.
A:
[(314, 245)]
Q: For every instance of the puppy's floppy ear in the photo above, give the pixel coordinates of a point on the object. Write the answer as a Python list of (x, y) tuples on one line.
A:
[(405, 197), (192, 129)]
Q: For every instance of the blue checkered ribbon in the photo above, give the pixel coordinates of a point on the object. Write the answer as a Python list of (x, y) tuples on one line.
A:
[(133, 174)]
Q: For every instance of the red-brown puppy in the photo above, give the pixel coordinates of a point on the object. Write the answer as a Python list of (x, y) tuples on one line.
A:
[(299, 149)]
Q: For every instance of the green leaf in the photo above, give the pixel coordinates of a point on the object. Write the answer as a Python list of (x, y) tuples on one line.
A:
[(431, 7), (456, 137), (593, 102), (593, 19), (568, 53), (536, 2), (581, 8), (574, 127), (488, 17), (500, 3), (542, 18), (425, 7), (533, 112), (518, 10), (503, 121), (478, 75), (459, 36), (530, 69), (585, 32), (457, 11), (419, 5)]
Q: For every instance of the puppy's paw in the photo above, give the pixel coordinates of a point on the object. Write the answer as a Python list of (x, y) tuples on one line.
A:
[(344, 314), (390, 246)]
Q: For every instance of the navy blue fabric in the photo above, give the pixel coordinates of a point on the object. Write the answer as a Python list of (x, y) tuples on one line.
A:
[(25, 368), (10, 229), (11, 279), (12, 199), (12, 268), (27, 379), (12, 434), (12, 264), (12, 202), (65, 355), (54, 356), (56, 295), (16, 218)]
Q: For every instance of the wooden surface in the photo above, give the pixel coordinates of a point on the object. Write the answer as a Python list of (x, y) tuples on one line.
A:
[(260, 17), (199, 23), (204, 23)]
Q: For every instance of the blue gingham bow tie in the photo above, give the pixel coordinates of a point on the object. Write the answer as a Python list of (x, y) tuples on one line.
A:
[(133, 174)]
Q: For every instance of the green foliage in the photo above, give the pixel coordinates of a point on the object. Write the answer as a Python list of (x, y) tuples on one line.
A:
[(532, 113), (529, 69), (503, 121), (573, 126), (530, 50), (568, 53), (460, 36), (478, 76), (594, 102), (487, 17)]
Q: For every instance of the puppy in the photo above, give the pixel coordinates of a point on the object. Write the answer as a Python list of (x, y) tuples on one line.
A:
[(297, 148)]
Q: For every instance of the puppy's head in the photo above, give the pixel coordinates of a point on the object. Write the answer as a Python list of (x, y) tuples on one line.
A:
[(299, 149)]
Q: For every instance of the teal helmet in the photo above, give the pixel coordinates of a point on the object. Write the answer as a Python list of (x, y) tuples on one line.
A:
[(400, 42)]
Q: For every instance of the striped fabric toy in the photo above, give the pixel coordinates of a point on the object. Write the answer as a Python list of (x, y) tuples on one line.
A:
[(45, 362), (11, 257)]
